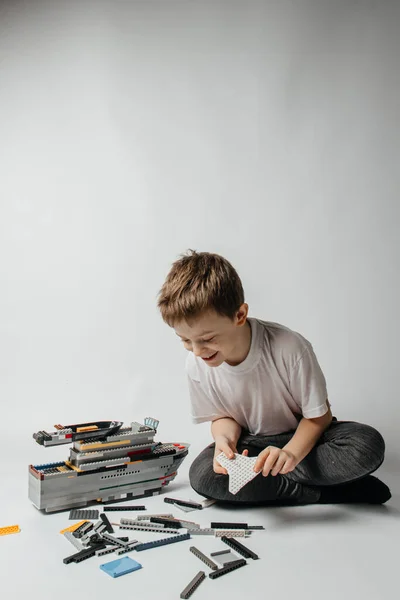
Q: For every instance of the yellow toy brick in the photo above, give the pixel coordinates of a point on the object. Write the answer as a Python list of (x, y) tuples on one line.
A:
[(73, 527), (10, 529)]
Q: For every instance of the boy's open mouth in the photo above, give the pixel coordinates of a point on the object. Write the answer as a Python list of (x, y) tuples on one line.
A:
[(210, 357)]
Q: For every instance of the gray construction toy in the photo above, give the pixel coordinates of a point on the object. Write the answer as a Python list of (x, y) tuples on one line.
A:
[(107, 463)]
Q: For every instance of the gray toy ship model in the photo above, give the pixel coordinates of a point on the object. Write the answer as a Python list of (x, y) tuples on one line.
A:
[(107, 463)]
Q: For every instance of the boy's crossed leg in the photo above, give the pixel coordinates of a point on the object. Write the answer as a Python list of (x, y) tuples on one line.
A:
[(337, 469)]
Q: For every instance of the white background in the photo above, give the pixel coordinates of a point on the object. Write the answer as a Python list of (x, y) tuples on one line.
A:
[(130, 131)]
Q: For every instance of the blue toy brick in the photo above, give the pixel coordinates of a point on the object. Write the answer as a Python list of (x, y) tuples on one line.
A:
[(121, 566)]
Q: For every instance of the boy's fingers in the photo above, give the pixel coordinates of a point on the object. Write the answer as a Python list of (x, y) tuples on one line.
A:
[(219, 469), (278, 465), (245, 452), (261, 460), (229, 453), (269, 463)]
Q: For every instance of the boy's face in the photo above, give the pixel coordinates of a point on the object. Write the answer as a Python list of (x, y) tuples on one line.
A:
[(215, 338)]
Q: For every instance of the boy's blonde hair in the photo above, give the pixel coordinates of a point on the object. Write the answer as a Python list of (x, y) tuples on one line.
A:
[(197, 282)]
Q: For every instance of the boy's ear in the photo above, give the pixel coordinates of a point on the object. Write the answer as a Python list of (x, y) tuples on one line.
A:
[(241, 314)]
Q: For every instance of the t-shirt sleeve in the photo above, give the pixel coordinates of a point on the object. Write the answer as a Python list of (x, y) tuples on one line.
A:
[(308, 385), (202, 406)]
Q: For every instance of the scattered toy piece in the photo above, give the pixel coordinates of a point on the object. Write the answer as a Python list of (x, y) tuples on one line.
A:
[(148, 517), (210, 563), (190, 588), (240, 548), (173, 523), (163, 542), (73, 540), (122, 508), (218, 525), (73, 527), (228, 568), (219, 553), (10, 529), (82, 555), (226, 558), (84, 514), (153, 527), (187, 503), (121, 566), (232, 533), (83, 530), (107, 523), (203, 531), (208, 502)]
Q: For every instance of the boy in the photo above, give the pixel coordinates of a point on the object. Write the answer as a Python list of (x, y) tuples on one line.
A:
[(261, 386)]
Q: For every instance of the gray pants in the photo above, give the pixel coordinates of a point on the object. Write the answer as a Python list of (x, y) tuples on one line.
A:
[(345, 452)]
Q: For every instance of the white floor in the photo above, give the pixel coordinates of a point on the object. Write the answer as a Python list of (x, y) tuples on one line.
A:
[(331, 552)]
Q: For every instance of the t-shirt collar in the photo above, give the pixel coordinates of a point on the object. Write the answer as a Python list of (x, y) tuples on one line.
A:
[(254, 353)]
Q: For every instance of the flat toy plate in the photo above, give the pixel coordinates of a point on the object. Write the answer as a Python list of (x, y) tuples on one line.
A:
[(122, 566)]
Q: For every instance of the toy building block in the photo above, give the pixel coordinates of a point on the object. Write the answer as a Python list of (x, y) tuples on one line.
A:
[(9, 530), (147, 517), (228, 568), (201, 531), (131, 546), (228, 557), (100, 526), (190, 588), (97, 540), (107, 523), (163, 542), (219, 553), (210, 563), (240, 470), (122, 508), (232, 533), (84, 514), (218, 525), (208, 502), (239, 548), (83, 529), (146, 524), (159, 529), (185, 508), (107, 542), (76, 543), (93, 535), (187, 503), (80, 556), (116, 541), (167, 522), (73, 527), (104, 551), (107, 463), (121, 566), (189, 524)]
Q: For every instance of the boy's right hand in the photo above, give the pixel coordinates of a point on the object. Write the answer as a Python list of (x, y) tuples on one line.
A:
[(229, 449)]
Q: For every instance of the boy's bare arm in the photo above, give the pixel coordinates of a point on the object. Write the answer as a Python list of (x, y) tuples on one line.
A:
[(283, 460), (226, 432), (227, 428), (307, 435)]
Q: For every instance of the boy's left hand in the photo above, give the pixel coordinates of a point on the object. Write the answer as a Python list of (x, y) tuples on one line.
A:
[(275, 460)]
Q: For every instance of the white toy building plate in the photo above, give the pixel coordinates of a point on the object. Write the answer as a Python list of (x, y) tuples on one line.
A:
[(240, 470)]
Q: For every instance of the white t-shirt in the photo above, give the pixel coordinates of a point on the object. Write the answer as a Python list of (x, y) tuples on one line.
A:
[(278, 383)]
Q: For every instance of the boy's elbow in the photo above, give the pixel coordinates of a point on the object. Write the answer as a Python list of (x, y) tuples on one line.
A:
[(325, 420)]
